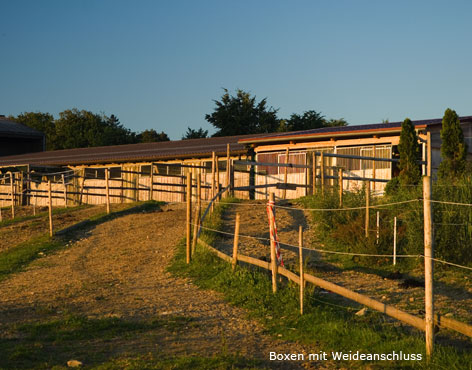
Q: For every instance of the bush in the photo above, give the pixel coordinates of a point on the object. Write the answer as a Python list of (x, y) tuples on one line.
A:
[(345, 230)]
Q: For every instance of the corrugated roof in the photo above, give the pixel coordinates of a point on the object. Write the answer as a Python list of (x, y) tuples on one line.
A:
[(193, 148), (375, 128), (13, 129)]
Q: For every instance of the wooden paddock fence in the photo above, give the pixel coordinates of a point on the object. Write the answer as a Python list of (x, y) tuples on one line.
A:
[(426, 324), (167, 181)]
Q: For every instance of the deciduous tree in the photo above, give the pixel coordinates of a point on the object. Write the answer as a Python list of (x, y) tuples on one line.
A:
[(152, 136), (242, 114), (43, 122)]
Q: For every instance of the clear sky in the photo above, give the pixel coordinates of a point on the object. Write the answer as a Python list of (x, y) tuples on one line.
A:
[(160, 64)]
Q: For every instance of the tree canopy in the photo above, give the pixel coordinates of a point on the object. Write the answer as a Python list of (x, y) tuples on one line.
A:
[(195, 134), (242, 114), (152, 136), (43, 122), (81, 129), (453, 147), (308, 120)]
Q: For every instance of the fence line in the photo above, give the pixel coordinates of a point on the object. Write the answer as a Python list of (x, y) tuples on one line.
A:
[(451, 203), (391, 311), (313, 249)]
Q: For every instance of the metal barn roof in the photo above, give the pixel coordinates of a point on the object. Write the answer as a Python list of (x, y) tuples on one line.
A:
[(13, 129), (340, 131), (192, 148)]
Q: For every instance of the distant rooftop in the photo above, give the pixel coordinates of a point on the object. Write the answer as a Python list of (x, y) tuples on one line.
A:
[(13, 129), (339, 131)]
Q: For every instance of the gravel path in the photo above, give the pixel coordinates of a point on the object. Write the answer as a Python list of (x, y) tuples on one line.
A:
[(118, 269)]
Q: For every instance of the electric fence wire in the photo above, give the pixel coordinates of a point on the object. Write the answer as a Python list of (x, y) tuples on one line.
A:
[(339, 252)]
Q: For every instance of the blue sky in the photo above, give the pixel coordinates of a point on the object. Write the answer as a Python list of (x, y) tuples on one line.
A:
[(160, 64)]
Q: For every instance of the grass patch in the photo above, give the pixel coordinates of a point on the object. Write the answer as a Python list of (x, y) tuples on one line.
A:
[(327, 322), (51, 344), (55, 211), (76, 327), (181, 363), (16, 258)]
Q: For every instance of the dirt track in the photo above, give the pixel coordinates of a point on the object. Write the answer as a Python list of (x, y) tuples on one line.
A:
[(118, 270)]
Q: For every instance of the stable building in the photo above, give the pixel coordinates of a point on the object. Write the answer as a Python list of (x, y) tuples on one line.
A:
[(345, 146), (291, 164), (79, 174)]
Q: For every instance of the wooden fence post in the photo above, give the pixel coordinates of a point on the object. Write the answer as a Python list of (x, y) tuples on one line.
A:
[(300, 255), (1, 217), (228, 167), (394, 240), (213, 155), (217, 177), (82, 188), (322, 173), (236, 242), (12, 195), (340, 180), (196, 222), (428, 154), (367, 205), (122, 190), (373, 168), (107, 189), (231, 177), (34, 204), (377, 235), (65, 190), (284, 193), (137, 185), (50, 208), (428, 266), (273, 254), (313, 173), (189, 213), (21, 188), (151, 186)]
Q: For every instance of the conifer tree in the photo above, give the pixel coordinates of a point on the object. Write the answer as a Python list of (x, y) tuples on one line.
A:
[(453, 147), (409, 150)]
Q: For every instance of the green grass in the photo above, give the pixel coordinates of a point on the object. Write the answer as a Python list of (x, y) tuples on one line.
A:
[(76, 327), (56, 211), (16, 258), (328, 323), (51, 344), (152, 362)]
